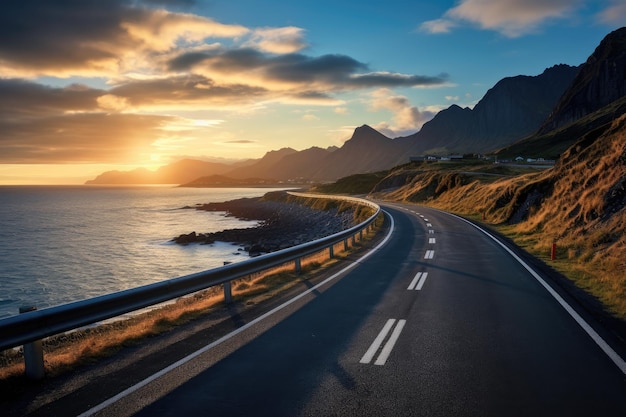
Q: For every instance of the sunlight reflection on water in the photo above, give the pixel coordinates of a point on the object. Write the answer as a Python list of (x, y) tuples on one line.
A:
[(62, 244)]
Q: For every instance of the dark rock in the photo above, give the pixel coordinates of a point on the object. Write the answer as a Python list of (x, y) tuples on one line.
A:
[(281, 224), (186, 238)]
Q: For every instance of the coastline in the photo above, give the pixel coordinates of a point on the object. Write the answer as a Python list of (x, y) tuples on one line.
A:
[(283, 223)]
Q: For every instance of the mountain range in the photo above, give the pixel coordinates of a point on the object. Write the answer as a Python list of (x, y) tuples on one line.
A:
[(517, 110)]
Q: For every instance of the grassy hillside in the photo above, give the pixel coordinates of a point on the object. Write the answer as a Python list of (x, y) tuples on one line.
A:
[(580, 203)]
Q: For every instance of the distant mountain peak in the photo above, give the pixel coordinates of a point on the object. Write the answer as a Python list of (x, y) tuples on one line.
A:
[(365, 128), (366, 133)]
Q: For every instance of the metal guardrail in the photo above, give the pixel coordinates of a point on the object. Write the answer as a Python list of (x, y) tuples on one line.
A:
[(35, 325)]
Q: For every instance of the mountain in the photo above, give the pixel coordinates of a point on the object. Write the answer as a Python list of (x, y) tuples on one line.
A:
[(264, 167), (177, 172), (601, 81), (366, 151), (136, 176), (299, 165), (514, 108), (596, 97)]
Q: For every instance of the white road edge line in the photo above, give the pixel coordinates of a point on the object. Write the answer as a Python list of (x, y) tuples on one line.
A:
[(371, 351), (384, 354), (608, 350), (210, 346)]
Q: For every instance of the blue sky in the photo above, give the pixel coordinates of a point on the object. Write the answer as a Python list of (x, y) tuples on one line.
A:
[(88, 86)]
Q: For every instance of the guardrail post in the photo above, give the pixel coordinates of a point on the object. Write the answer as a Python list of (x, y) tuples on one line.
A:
[(345, 245), (228, 293), (331, 251), (33, 354), (298, 265)]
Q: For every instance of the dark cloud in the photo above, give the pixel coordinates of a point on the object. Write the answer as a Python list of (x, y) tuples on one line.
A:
[(20, 97), (333, 70), (384, 79), (312, 95), (185, 89), (301, 68), (221, 60), (61, 34), (40, 124)]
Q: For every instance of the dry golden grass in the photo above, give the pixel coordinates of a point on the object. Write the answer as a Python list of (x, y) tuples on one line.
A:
[(580, 203), (66, 351)]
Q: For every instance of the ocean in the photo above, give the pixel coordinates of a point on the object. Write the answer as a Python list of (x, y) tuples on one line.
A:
[(60, 244)]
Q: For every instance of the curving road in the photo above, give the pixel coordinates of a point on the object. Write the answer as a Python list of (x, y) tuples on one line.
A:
[(440, 321)]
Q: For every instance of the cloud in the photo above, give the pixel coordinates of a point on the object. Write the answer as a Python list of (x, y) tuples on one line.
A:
[(111, 102), (21, 98), (278, 40), (138, 49), (186, 90), (241, 141), (94, 38), (614, 14), (511, 18), (334, 72), (406, 118), (310, 118), (40, 124), (386, 79), (438, 26)]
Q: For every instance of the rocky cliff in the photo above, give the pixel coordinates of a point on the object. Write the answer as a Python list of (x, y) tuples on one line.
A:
[(601, 81)]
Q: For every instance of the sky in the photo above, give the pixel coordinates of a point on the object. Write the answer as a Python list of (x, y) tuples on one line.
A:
[(88, 86)]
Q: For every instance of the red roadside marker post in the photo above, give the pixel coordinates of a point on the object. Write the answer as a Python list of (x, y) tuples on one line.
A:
[(553, 251)]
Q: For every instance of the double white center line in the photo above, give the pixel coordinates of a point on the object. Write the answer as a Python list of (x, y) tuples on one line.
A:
[(386, 351), (418, 281)]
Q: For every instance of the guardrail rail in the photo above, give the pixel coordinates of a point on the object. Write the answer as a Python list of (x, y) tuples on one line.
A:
[(32, 325)]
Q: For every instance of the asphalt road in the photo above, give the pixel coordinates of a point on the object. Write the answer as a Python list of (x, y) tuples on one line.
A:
[(440, 321)]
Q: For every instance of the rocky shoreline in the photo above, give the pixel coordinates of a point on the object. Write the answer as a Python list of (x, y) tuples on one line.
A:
[(282, 224)]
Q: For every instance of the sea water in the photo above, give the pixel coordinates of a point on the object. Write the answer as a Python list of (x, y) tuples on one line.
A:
[(60, 244)]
